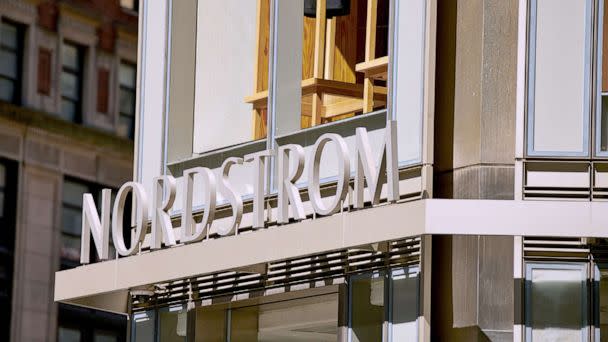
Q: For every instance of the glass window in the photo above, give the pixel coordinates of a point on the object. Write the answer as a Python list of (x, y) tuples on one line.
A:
[(559, 80), (404, 288), (367, 307), (172, 324), (556, 302), (11, 55), (68, 335), (104, 336), (143, 326), (303, 319), (71, 82), (126, 106), (71, 220)]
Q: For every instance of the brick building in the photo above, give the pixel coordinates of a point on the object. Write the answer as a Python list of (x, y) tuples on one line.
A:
[(67, 91)]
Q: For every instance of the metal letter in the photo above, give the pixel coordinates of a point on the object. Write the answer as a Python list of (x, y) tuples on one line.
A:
[(259, 163), (192, 231), (140, 202), (233, 198), (314, 191), (91, 225), (288, 192), (162, 229), (365, 166)]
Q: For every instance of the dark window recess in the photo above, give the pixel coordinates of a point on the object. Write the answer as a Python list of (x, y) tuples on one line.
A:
[(126, 110), (71, 82), (80, 324), (103, 90), (44, 71), (11, 61), (8, 200)]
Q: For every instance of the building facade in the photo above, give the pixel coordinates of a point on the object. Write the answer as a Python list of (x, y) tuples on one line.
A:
[(365, 170), (67, 104)]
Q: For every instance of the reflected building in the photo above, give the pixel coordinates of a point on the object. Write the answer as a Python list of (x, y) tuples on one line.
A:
[(67, 105)]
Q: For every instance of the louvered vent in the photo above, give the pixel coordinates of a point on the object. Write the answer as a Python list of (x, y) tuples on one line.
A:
[(549, 248), (331, 267)]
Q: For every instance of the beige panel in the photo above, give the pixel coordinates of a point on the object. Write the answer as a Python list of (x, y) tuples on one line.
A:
[(559, 98), (181, 80), (225, 47)]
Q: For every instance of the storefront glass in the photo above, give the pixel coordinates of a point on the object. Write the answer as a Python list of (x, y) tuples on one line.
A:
[(377, 306)]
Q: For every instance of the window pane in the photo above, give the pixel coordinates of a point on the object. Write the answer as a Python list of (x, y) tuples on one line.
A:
[(172, 324), (9, 35), (8, 64), (603, 305), (404, 304), (126, 126), (71, 221), (2, 176), (68, 110), (127, 75), (604, 123), (7, 89), (70, 248), (105, 337), (367, 313), (127, 102), (68, 335), (143, 326), (559, 97), (71, 56), (72, 192), (69, 86), (556, 303), (210, 325)]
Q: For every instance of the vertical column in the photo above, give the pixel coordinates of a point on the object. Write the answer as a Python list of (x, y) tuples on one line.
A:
[(151, 84), (36, 255), (285, 93)]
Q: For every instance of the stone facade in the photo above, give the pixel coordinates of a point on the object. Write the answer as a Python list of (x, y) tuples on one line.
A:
[(47, 149)]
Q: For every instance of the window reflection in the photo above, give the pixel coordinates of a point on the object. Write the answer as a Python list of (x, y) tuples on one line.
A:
[(556, 302)]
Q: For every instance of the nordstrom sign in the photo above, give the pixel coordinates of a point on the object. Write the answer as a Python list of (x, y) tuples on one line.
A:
[(162, 232)]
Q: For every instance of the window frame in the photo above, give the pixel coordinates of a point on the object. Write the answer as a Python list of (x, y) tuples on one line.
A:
[(531, 83), (18, 51), (79, 74)]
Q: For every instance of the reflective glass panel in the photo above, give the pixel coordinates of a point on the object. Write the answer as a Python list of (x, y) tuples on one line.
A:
[(8, 64), (143, 325), (556, 302), (127, 75), (404, 304), (7, 89), (9, 36), (172, 324), (71, 56), (68, 335), (367, 307)]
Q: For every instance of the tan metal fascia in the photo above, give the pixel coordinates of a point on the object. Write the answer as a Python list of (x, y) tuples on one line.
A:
[(104, 285)]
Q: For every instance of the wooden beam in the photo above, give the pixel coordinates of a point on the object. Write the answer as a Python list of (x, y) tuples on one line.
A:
[(370, 54), (320, 24)]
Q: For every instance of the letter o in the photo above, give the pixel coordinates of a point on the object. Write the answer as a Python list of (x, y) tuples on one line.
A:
[(141, 203), (314, 189)]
